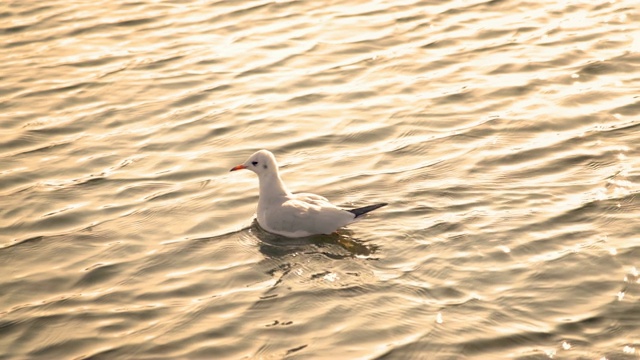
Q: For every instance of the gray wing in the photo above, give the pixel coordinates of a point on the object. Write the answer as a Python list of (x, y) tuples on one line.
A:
[(307, 214)]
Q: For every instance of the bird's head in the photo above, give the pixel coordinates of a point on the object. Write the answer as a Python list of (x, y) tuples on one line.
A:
[(261, 162)]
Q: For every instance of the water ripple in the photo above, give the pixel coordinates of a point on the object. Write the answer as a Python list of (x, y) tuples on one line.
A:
[(502, 134)]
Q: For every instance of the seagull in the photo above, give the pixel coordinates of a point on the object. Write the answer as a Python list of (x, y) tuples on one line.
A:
[(294, 215)]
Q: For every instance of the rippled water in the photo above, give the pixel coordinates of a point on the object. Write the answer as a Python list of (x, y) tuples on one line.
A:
[(504, 135)]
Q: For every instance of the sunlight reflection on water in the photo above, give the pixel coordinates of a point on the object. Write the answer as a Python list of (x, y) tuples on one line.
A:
[(503, 135)]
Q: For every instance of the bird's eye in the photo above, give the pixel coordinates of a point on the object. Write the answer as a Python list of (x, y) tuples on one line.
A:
[(254, 163)]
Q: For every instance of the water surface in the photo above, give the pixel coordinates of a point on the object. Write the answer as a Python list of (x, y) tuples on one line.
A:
[(504, 135)]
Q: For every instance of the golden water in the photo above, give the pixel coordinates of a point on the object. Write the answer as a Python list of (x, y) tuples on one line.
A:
[(504, 135)]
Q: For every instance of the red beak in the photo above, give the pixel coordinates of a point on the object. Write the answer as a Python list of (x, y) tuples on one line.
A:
[(238, 167)]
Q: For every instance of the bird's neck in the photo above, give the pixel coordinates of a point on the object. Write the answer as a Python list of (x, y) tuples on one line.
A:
[(271, 186)]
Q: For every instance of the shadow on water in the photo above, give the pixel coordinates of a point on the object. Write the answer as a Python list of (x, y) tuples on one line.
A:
[(338, 245)]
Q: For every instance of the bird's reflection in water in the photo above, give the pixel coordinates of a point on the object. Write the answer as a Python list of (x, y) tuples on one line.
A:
[(338, 245)]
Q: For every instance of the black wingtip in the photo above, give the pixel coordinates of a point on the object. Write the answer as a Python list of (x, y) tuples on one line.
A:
[(363, 210)]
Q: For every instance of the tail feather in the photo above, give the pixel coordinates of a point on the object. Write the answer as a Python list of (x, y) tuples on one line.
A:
[(363, 210)]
